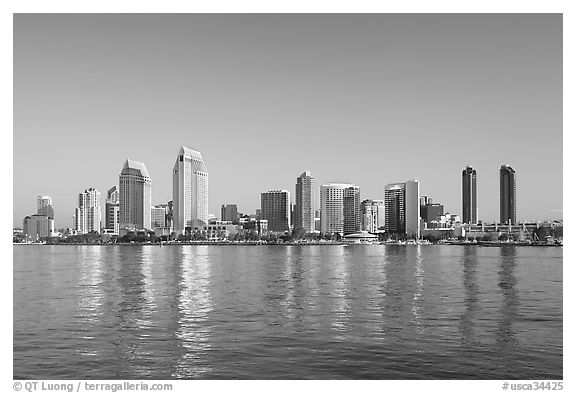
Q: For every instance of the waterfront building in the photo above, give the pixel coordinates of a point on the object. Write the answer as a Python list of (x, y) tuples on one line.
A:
[(394, 200), (275, 207), (44, 206), (190, 191), (112, 211), (332, 207), (430, 211), (134, 197), (412, 208), (158, 216), (372, 212), (507, 195), (351, 206), (469, 191), (304, 207), (229, 213), (402, 208), (87, 215), (37, 226)]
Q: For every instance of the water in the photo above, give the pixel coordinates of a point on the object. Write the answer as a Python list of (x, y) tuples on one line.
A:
[(287, 312)]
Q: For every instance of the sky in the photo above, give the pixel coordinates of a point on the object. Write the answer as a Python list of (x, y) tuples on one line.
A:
[(368, 99)]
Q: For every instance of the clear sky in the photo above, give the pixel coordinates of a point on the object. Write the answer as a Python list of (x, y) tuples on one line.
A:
[(368, 99)]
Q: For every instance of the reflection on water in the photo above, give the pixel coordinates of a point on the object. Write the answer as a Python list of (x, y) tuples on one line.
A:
[(375, 312), (195, 304), (471, 291), (507, 285), (340, 291), (417, 301)]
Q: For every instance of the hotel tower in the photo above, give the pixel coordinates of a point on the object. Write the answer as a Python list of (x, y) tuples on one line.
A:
[(135, 196), (190, 191)]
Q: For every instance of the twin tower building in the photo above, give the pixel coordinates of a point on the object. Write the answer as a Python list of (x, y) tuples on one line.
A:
[(189, 192)]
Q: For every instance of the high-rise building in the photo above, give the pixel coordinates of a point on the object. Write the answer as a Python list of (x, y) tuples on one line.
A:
[(135, 196), (304, 207), (112, 211), (430, 211), (507, 195), (45, 207), (469, 206), (402, 202), (332, 207), (351, 205), (372, 212), (87, 215), (38, 226), (413, 208), (190, 191), (275, 207), (229, 213)]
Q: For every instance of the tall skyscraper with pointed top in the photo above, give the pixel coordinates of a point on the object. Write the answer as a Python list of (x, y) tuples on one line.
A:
[(469, 205), (190, 191), (135, 196), (304, 208), (507, 195)]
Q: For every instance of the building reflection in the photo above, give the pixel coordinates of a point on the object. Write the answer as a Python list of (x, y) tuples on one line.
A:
[(195, 304), (507, 284), (132, 314), (89, 298), (340, 291), (292, 305), (471, 292), (417, 297), (393, 289)]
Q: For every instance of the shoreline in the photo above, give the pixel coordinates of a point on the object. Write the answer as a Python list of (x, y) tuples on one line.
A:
[(290, 244)]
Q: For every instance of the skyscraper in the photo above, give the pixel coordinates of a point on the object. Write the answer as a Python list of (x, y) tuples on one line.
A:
[(229, 213), (304, 208), (402, 201), (372, 212), (507, 195), (469, 207), (351, 205), (190, 191), (44, 206), (332, 207), (87, 215), (135, 196), (275, 207), (112, 211), (412, 207)]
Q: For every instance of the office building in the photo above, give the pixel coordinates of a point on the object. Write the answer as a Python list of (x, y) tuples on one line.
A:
[(507, 195), (229, 213), (134, 197), (37, 227), (332, 207), (351, 205), (112, 211), (372, 212), (402, 207), (430, 211), (275, 208), (45, 207), (87, 215), (469, 190), (304, 207), (190, 191)]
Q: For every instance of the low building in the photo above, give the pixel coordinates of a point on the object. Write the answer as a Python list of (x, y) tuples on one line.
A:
[(362, 237), (37, 227)]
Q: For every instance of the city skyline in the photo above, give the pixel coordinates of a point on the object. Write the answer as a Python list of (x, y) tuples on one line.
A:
[(421, 86)]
